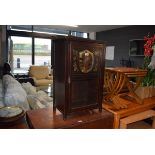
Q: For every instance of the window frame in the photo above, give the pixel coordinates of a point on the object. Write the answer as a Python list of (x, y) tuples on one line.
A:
[(33, 35)]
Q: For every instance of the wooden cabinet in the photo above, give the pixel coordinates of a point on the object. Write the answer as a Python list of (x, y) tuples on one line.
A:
[(78, 74)]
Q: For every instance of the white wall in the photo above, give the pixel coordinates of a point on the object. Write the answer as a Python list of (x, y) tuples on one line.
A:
[(92, 35)]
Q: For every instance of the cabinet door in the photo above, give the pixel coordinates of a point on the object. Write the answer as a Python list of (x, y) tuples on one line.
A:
[(85, 75), (84, 93)]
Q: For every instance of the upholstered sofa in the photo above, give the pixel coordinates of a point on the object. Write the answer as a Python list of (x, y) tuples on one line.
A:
[(26, 96), (40, 75)]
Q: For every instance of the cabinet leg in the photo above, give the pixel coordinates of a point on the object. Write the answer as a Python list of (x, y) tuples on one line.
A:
[(54, 108), (64, 117)]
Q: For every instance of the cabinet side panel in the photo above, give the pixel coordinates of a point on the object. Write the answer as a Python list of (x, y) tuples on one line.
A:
[(60, 70)]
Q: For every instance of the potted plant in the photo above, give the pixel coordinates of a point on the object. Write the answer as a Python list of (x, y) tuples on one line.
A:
[(147, 87)]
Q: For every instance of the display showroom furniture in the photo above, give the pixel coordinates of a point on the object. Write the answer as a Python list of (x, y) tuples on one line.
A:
[(40, 75), (138, 117), (118, 78), (133, 107), (125, 104), (78, 74), (88, 119)]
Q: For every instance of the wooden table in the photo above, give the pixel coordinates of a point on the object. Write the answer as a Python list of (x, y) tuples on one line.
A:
[(90, 119), (118, 78), (133, 108)]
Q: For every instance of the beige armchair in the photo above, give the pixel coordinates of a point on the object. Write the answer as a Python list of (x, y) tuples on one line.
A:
[(40, 75)]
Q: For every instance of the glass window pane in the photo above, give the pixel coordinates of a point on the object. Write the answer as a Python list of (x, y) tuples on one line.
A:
[(42, 51), (22, 54), (85, 35), (79, 34)]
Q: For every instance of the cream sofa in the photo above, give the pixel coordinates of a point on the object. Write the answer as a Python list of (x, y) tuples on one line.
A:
[(40, 75)]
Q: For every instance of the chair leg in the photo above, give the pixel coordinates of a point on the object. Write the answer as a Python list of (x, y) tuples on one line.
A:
[(153, 123)]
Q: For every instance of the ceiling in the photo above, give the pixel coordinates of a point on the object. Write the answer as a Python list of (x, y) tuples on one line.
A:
[(84, 28)]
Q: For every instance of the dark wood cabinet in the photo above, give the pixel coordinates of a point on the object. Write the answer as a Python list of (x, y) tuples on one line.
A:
[(78, 74)]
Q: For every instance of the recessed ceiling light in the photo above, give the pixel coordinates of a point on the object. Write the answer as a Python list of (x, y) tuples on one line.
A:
[(71, 25)]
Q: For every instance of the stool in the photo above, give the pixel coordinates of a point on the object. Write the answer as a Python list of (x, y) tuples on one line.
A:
[(137, 117)]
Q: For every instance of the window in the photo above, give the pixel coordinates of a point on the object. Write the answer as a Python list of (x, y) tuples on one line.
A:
[(42, 51), (31, 48), (46, 30), (26, 28), (21, 54), (79, 34)]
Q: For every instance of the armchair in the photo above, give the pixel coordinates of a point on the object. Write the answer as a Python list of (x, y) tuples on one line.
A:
[(40, 75)]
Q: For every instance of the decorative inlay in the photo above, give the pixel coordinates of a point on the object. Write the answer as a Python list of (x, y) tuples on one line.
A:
[(85, 61)]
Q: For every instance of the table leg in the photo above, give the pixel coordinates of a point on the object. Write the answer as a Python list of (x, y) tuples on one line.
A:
[(116, 121), (123, 125)]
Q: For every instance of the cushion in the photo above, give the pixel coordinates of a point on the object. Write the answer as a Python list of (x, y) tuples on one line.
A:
[(39, 100), (9, 81), (34, 102), (16, 99), (50, 77), (29, 88), (43, 97), (14, 94), (1, 94), (1, 102), (39, 72), (43, 82), (1, 89)]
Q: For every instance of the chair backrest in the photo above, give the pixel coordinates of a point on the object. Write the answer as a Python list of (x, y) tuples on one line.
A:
[(39, 72)]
